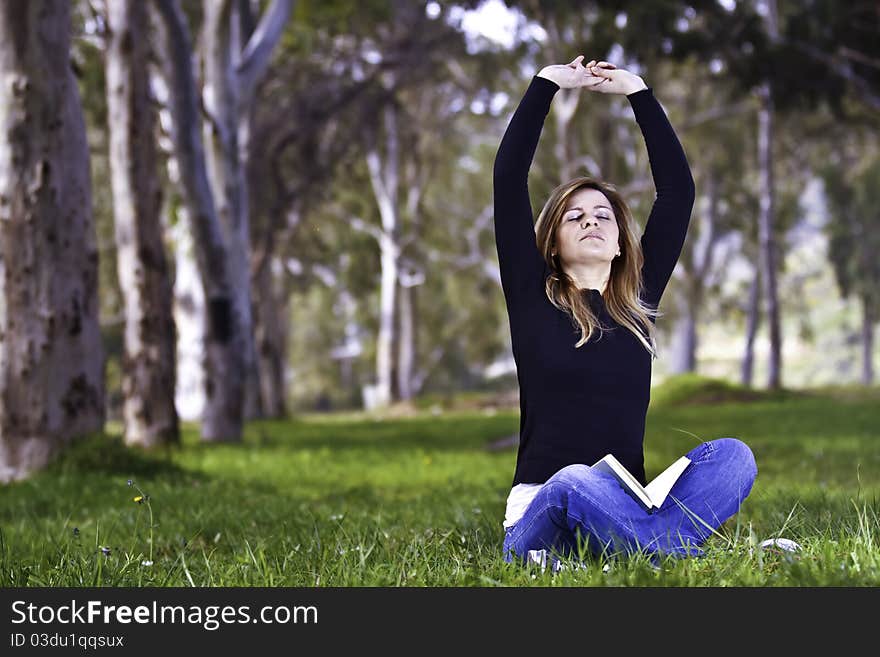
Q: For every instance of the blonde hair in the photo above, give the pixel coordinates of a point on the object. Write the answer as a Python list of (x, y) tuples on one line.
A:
[(624, 292)]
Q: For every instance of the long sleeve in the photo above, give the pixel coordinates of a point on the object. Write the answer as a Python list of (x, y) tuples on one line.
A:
[(667, 225), (521, 264)]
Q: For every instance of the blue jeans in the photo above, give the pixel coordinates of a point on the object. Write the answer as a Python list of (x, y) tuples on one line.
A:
[(579, 503)]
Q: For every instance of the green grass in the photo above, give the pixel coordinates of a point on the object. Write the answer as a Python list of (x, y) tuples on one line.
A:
[(351, 500)]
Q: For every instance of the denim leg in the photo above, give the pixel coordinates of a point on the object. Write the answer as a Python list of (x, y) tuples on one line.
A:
[(577, 501), (709, 491)]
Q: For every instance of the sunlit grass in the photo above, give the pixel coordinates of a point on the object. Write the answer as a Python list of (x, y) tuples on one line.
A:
[(354, 500)]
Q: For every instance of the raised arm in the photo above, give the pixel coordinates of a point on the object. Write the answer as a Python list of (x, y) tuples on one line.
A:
[(668, 222), (522, 266), (520, 262)]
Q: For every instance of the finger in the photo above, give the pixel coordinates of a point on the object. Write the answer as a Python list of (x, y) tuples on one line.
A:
[(577, 60)]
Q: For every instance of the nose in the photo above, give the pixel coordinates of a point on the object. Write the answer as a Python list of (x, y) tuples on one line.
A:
[(586, 223)]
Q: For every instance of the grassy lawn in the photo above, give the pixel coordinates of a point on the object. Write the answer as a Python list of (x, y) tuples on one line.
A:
[(351, 500)]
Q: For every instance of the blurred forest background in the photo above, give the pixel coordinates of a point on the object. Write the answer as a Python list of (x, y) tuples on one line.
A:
[(231, 209)]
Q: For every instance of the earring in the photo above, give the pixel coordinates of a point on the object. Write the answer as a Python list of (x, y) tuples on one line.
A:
[(618, 253)]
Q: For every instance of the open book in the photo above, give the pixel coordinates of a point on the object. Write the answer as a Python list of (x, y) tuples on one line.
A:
[(652, 495)]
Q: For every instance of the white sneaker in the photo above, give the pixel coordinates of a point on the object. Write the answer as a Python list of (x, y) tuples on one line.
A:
[(539, 557), (785, 544)]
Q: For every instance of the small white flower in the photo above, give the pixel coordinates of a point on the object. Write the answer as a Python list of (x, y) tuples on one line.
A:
[(146, 562)]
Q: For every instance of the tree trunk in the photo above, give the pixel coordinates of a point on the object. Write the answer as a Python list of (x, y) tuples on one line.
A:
[(766, 218), (867, 341), (684, 342), (386, 338), (766, 235), (384, 179), (226, 174), (753, 319), (51, 356), (148, 364), (253, 404), (407, 344), (698, 263), (189, 319), (270, 325), (223, 357), (236, 56), (271, 303)]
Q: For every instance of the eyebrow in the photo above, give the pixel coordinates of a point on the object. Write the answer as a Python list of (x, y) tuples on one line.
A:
[(577, 207)]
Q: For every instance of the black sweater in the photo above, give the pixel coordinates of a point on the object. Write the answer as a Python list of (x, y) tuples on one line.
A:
[(576, 405)]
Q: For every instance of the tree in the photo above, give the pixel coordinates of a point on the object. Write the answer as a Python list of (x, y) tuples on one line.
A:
[(766, 215), (148, 364), (402, 149), (236, 52), (307, 122), (51, 357), (235, 56), (855, 236), (224, 363)]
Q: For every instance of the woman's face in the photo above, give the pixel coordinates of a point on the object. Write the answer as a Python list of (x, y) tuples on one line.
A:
[(588, 232)]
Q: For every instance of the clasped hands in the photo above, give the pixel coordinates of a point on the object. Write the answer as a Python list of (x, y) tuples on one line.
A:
[(603, 77)]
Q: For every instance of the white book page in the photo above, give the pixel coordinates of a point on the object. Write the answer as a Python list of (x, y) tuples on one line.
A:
[(660, 486), (612, 466)]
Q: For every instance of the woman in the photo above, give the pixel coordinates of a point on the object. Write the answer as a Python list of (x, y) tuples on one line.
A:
[(582, 293)]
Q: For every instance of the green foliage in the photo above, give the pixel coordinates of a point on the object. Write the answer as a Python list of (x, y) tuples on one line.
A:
[(694, 389), (355, 500), (854, 238)]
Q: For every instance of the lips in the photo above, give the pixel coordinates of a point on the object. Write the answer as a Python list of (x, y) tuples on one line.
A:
[(595, 235)]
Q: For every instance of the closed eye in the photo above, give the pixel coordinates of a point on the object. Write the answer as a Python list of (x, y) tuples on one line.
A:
[(579, 216)]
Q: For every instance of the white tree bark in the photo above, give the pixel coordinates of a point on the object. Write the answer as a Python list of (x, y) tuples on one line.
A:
[(216, 191), (406, 355), (189, 318), (234, 63), (223, 361), (51, 356), (410, 277), (384, 178), (148, 366)]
